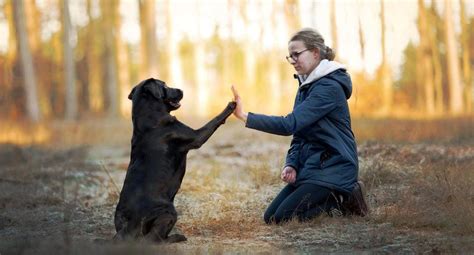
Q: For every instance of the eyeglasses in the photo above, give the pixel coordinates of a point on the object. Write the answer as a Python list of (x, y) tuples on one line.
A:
[(294, 56)]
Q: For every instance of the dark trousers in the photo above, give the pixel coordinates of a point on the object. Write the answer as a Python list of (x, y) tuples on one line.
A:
[(305, 201)]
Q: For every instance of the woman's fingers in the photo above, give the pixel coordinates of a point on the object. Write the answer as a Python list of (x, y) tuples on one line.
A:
[(234, 91), (284, 176)]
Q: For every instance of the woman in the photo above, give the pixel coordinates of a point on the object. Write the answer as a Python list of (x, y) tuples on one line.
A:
[(321, 165)]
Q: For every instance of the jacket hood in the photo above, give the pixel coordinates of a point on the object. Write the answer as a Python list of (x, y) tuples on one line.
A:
[(332, 70)]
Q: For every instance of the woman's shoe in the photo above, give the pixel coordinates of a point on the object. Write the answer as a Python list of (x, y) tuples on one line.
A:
[(356, 204)]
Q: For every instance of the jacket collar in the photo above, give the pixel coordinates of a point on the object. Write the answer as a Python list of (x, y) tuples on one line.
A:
[(324, 68)]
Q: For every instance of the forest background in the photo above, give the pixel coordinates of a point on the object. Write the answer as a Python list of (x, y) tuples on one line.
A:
[(70, 60)]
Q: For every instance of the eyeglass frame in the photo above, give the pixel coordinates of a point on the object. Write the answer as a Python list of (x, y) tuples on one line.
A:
[(294, 56)]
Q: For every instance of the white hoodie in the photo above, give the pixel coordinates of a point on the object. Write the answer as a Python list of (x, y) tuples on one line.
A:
[(324, 68)]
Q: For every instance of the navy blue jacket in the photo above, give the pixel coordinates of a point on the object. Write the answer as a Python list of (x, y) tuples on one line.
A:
[(323, 149)]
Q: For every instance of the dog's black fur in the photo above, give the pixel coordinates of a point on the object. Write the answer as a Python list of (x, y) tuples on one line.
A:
[(160, 144)]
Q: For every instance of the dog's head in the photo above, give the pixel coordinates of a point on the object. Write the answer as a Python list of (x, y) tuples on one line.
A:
[(154, 95)]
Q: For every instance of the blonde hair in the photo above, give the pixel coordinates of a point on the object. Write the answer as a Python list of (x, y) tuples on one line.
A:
[(312, 39)]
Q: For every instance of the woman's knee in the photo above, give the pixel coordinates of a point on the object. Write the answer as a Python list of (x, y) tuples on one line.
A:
[(268, 216), (275, 218)]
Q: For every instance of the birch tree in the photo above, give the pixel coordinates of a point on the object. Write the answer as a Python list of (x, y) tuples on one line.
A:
[(466, 66), (94, 60), (425, 59), (433, 31), (455, 83), (69, 65), (26, 61), (109, 14), (148, 41)]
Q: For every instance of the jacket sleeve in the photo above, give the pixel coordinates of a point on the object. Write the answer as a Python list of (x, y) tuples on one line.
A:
[(321, 100), (292, 157)]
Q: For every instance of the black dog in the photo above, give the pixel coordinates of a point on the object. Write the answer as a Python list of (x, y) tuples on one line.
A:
[(160, 144)]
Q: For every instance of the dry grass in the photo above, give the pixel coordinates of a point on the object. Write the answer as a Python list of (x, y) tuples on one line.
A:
[(420, 194), (441, 197)]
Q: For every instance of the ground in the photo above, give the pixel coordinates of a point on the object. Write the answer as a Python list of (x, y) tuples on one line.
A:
[(59, 196)]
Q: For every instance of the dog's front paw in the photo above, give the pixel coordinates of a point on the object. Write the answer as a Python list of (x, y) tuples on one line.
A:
[(232, 105)]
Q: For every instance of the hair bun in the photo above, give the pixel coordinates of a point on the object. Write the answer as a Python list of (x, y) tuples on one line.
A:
[(330, 54)]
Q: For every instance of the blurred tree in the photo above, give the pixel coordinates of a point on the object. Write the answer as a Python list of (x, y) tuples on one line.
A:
[(109, 16), (200, 65), (425, 58), (434, 27), (123, 64), (29, 82), (227, 49), (249, 51), (69, 63), (148, 41), (292, 14), (361, 43), (471, 58), (455, 83), (409, 73), (94, 51), (386, 75), (7, 98), (466, 65), (34, 23), (273, 83), (33, 20), (174, 59), (332, 11)]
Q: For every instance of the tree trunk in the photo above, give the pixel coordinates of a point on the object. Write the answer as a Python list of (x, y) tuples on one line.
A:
[(11, 109), (362, 44), (199, 61), (69, 65), (250, 55), (122, 65), (33, 22), (466, 66), (386, 73), (274, 83), (148, 42), (32, 106), (436, 57), (425, 61), (94, 63), (109, 15), (335, 42), (174, 59), (455, 84)]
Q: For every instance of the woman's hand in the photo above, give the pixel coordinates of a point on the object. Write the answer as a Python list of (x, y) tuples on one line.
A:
[(239, 110), (288, 174)]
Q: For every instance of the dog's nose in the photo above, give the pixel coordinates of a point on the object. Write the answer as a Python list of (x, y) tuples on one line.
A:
[(180, 94)]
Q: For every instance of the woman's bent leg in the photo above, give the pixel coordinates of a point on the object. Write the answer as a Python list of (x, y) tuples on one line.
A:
[(268, 217), (307, 201)]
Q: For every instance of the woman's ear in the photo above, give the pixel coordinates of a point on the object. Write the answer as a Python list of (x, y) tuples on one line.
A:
[(316, 53)]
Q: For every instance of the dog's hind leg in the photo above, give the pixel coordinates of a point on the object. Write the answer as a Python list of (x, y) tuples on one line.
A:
[(156, 228)]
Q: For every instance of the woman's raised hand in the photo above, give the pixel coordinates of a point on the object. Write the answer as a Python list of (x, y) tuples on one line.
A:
[(239, 110)]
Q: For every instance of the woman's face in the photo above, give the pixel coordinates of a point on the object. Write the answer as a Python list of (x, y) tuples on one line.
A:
[(303, 60)]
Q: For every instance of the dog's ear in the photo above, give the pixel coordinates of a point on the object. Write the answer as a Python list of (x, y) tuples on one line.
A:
[(154, 89), (130, 96)]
